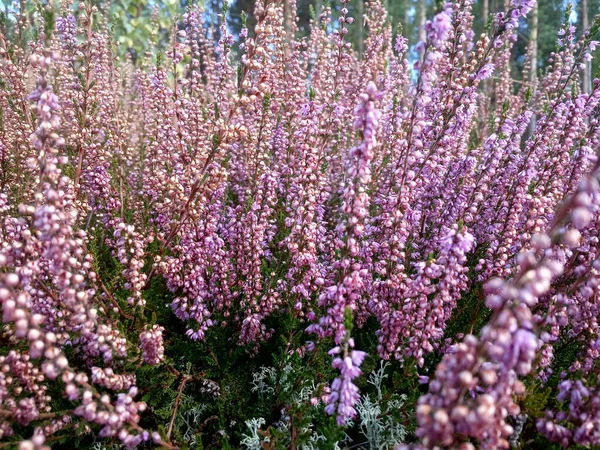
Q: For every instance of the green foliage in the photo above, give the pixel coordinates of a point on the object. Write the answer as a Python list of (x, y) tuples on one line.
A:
[(536, 400), (471, 313), (380, 420), (49, 17), (141, 26), (276, 385)]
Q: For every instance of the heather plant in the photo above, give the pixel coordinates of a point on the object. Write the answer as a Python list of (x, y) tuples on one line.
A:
[(270, 241)]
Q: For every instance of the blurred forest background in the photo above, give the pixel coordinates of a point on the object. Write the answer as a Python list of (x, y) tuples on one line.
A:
[(144, 27)]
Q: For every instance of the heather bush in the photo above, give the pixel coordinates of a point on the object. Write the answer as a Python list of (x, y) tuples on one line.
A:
[(269, 242)]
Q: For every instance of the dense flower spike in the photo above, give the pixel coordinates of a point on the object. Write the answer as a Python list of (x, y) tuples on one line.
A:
[(349, 273), (266, 188), (151, 343), (344, 394)]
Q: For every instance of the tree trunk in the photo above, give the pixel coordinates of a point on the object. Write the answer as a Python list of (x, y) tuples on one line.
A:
[(361, 27), (485, 12), (533, 67), (422, 18), (587, 70), (485, 9), (533, 42), (288, 25), (406, 23)]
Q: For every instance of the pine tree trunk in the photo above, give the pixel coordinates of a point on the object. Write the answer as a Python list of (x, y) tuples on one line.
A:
[(485, 9), (485, 12), (533, 43), (406, 23), (422, 19), (361, 27), (587, 71), (287, 24)]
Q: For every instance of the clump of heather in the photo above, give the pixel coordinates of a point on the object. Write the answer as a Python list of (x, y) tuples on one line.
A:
[(271, 234)]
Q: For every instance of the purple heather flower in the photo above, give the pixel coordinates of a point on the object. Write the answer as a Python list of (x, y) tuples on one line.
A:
[(485, 72)]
